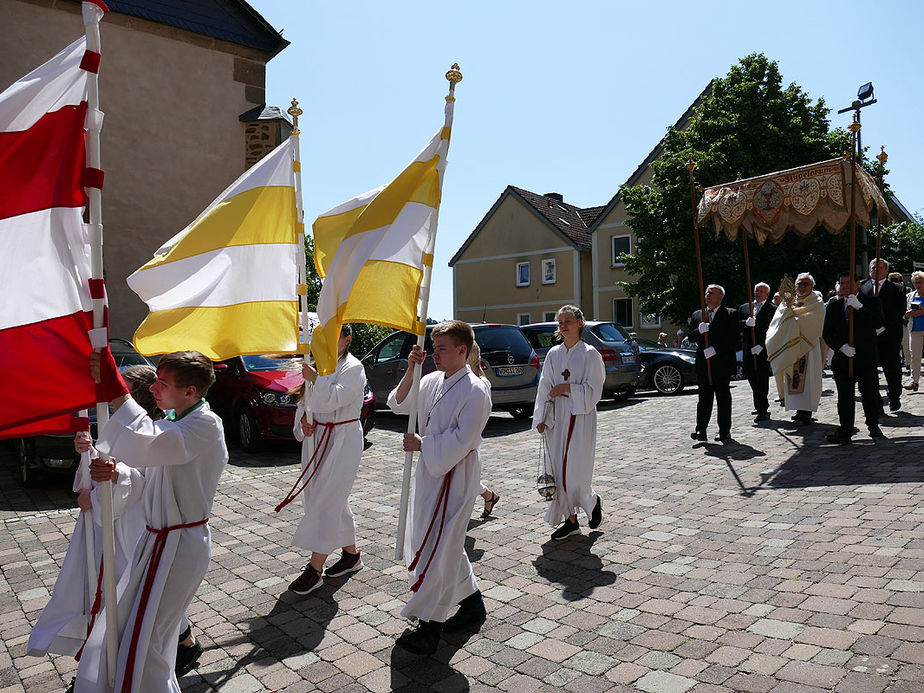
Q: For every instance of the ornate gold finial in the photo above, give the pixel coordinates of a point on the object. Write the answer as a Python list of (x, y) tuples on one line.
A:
[(295, 112), (882, 156), (454, 76), (854, 127), (691, 165)]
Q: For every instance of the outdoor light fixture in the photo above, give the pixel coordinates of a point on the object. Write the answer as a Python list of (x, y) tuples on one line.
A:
[(865, 92)]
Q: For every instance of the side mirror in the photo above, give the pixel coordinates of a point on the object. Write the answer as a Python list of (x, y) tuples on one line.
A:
[(220, 367)]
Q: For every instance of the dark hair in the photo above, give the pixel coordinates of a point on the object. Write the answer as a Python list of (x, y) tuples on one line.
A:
[(460, 332), (189, 368), (140, 379), (346, 330)]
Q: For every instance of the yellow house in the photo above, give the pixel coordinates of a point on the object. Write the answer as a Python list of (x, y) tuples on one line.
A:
[(182, 86), (531, 254)]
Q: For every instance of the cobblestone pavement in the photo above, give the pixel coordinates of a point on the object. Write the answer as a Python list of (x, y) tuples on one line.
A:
[(777, 563)]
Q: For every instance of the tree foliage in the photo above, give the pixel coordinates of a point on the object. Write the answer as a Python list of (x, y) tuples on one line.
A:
[(749, 125), (903, 244)]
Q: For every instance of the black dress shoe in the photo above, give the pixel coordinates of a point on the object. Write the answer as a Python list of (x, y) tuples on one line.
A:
[(697, 435), (186, 658), (723, 437), (876, 432), (471, 611), (596, 517), (802, 417), (895, 406), (422, 640), (761, 417), (839, 438)]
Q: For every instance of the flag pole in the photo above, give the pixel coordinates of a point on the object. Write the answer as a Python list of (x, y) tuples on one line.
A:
[(295, 112), (454, 76), (691, 166), (93, 11)]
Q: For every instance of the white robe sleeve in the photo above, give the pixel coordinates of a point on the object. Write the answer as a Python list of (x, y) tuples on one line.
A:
[(127, 490), (337, 390), (297, 428), (542, 393), (442, 451), (405, 406), (132, 435), (585, 395)]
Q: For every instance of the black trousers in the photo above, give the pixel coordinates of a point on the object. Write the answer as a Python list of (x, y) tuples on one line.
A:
[(868, 381), (719, 390), (760, 389), (890, 358)]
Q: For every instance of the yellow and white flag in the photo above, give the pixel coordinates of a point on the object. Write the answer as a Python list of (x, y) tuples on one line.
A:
[(371, 251), (227, 283)]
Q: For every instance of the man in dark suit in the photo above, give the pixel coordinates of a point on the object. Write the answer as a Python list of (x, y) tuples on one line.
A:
[(867, 318), (754, 357), (720, 328), (890, 337)]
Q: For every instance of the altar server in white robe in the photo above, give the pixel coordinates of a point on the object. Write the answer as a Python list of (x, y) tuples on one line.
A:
[(63, 624), (327, 422), (570, 386), (794, 349), (454, 407), (184, 456)]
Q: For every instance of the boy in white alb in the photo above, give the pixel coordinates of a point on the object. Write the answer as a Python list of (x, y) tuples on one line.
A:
[(184, 456), (454, 407)]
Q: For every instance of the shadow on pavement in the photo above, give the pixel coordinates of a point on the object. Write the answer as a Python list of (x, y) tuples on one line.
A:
[(295, 625), (571, 563), (410, 672)]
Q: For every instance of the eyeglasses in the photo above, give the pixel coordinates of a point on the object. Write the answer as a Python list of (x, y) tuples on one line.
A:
[(803, 282)]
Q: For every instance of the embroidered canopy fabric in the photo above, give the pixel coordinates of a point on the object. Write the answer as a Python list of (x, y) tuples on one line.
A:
[(798, 199)]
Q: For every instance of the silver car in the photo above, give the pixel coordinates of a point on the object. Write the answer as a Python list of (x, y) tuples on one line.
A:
[(507, 359), (616, 346)]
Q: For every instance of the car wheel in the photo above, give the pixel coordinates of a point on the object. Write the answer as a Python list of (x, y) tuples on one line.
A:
[(521, 412), (247, 431), (28, 473), (667, 379)]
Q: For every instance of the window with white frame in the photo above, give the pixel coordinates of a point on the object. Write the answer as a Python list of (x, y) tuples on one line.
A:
[(622, 312), (649, 321), (523, 319), (548, 271), (549, 316), (522, 274), (619, 245)]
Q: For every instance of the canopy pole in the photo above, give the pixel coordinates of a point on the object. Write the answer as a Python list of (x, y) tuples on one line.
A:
[(883, 157), (295, 112), (747, 278), (691, 166), (454, 76), (854, 128), (92, 13)]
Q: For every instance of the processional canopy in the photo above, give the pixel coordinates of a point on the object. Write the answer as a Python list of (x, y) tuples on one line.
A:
[(798, 199)]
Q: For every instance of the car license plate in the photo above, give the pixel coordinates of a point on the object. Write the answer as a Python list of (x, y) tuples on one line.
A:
[(628, 358), (507, 371)]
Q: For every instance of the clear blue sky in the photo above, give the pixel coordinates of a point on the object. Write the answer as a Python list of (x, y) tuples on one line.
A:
[(565, 97)]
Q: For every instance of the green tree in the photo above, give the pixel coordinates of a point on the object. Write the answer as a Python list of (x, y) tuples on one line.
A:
[(903, 244), (749, 125)]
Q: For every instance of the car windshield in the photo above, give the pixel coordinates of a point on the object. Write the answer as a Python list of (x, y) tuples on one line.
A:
[(503, 338), (271, 362), (610, 332)]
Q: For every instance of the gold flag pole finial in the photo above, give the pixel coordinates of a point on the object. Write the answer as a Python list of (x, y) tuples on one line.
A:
[(854, 127), (882, 156), (295, 112), (691, 165), (454, 77)]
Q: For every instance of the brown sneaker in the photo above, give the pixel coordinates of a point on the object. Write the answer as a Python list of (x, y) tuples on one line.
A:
[(307, 582), (348, 563)]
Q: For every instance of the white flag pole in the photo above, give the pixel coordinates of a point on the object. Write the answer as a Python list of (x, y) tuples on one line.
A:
[(454, 77), (92, 13)]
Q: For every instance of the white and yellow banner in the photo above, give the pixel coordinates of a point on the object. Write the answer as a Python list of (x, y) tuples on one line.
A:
[(227, 283)]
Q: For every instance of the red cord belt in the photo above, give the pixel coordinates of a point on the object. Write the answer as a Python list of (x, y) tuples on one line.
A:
[(160, 542), (321, 446)]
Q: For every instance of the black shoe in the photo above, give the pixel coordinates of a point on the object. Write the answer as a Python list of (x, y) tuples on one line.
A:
[(722, 437), (894, 406), (492, 501), (803, 417), (307, 582), (70, 688), (596, 517), (839, 438), (186, 658), (698, 435), (422, 640), (876, 432), (762, 417), (348, 563), (568, 529), (471, 611)]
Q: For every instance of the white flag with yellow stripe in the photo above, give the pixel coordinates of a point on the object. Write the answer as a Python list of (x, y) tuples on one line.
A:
[(371, 251), (227, 283)]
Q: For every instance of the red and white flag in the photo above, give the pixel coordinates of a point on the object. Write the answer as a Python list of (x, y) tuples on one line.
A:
[(46, 309)]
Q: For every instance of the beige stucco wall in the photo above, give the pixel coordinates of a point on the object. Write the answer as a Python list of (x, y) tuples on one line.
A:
[(485, 275), (171, 140)]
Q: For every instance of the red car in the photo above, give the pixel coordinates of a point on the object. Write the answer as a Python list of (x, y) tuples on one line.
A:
[(252, 395)]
